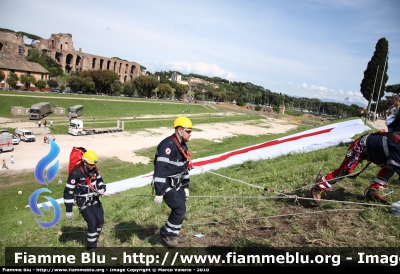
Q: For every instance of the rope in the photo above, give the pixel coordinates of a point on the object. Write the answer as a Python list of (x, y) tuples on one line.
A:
[(285, 196), (229, 178)]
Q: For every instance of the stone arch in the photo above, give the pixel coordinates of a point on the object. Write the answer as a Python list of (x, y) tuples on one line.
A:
[(133, 69), (101, 63), (69, 62), (119, 68), (59, 58), (94, 60), (78, 62)]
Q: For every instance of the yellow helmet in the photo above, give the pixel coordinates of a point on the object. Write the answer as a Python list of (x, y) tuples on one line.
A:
[(183, 122), (90, 157)]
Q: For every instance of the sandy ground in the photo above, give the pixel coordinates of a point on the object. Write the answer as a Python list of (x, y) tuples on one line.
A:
[(122, 144)]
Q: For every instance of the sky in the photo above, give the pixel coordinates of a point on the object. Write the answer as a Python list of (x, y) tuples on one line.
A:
[(303, 48)]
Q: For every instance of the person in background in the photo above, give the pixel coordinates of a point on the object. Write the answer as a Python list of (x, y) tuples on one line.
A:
[(171, 179), (85, 186), (12, 159), (4, 164), (51, 123), (391, 112)]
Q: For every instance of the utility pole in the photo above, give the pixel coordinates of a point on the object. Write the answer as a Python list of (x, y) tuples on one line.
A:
[(370, 99), (380, 86)]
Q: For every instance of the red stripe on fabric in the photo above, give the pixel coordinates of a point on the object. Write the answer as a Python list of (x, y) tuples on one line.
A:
[(262, 145)]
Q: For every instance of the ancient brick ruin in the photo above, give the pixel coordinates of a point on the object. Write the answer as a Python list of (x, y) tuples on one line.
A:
[(61, 49)]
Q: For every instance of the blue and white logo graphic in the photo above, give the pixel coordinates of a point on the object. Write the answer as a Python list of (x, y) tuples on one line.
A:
[(40, 177)]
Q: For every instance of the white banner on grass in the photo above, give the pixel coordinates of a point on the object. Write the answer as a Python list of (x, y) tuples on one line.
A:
[(306, 141)]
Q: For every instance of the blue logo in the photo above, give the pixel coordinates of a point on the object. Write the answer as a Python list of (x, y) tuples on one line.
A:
[(40, 177)]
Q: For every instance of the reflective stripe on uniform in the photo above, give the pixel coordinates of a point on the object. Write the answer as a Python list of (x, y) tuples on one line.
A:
[(173, 226), (166, 160), (160, 180), (385, 147)]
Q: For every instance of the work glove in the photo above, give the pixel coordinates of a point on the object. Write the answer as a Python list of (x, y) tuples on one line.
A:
[(186, 192), (101, 192), (190, 165), (158, 199), (69, 215)]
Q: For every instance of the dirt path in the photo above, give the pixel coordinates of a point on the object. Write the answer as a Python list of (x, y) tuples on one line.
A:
[(122, 144)]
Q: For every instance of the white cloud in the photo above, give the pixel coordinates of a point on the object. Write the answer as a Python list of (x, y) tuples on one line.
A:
[(320, 88), (210, 70), (304, 85)]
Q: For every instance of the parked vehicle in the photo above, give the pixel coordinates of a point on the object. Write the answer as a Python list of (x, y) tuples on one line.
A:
[(6, 143), (4, 131), (15, 139), (76, 128), (75, 111), (25, 135), (39, 111)]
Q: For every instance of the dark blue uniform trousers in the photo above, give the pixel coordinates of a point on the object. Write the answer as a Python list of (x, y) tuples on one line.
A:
[(94, 217), (176, 200)]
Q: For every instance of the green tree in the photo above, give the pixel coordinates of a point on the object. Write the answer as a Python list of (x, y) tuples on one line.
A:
[(12, 79), (62, 79), (27, 80), (52, 83), (54, 69), (393, 88), (101, 78), (129, 88), (164, 90), (75, 83), (145, 84), (116, 87), (181, 90), (375, 76), (40, 84), (88, 85), (240, 102)]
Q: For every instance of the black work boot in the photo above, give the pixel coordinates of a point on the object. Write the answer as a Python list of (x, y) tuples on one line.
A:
[(171, 241), (182, 239)]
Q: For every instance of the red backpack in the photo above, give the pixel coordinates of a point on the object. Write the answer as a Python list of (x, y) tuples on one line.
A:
[(75, 158)]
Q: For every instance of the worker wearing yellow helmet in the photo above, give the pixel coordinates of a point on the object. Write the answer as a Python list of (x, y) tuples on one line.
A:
[(84, 187), (171, 179)]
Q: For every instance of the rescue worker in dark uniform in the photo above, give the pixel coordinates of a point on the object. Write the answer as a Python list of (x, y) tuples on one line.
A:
[(171, 179), (381, 148), (85, 186)]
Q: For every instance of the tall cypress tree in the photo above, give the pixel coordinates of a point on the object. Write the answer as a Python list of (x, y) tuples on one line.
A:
[(371, 77)]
